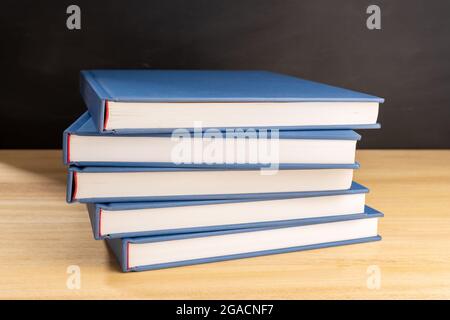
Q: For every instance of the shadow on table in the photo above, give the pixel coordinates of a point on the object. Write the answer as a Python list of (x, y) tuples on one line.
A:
[(46, 163)]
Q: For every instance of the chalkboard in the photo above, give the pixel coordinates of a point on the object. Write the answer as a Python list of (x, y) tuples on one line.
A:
[(407, 61)]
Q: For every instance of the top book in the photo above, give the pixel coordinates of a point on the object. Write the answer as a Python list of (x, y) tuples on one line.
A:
[(130, 101)]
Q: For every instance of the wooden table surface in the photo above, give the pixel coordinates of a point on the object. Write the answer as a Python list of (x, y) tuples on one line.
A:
[(41, 236)]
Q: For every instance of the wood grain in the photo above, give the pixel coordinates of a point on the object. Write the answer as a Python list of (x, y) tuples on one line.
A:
[(41, 235)]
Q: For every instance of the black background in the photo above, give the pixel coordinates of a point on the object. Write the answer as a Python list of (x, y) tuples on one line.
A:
[(407, 62)]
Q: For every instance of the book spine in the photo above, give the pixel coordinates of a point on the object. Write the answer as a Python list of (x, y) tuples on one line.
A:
[(95, 216), (66, 148), (95, 98), (71, 186), (120, 249)]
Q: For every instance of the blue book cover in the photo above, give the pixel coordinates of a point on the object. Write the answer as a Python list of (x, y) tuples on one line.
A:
[(85, 126), (95, 212), (72, 184), (100, 86), (121, 247)]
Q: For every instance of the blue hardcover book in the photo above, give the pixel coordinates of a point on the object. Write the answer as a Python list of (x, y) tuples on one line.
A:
[(132, 219), (84, 146), (127, 184), (162, 100), (156, 252)]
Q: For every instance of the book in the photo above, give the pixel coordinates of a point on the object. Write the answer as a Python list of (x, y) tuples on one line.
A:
[(84, 146), (132, 219), (156, 252), (163, 100), (127, 184)]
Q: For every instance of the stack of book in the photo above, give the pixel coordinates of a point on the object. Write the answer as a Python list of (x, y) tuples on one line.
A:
[(187, 167)]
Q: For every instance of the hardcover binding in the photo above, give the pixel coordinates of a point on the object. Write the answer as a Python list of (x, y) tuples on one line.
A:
[(95, 212), (120, 247), (224, 86), (84, 126), (71, 183)]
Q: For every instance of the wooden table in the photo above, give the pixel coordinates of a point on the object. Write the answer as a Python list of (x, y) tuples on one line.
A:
[(41, 236)]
